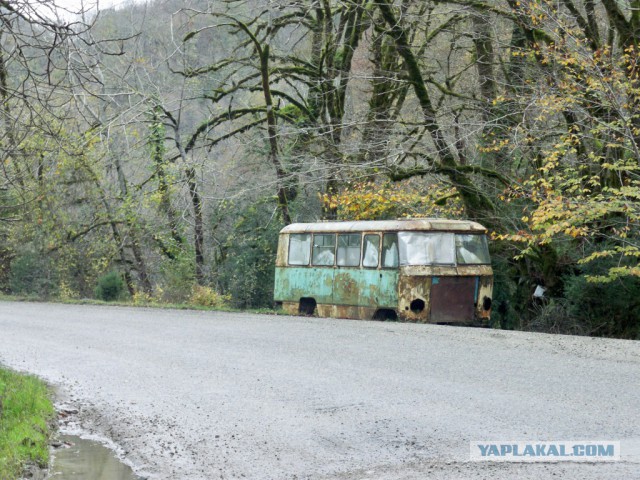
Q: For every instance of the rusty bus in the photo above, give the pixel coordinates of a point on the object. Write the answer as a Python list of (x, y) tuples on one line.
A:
[(414, 270)]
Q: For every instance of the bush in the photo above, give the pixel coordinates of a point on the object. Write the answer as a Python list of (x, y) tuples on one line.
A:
[(605, 309), (552, 316), (110, 287), (177, 278), (32, 274), (208, 297), (511, 290)]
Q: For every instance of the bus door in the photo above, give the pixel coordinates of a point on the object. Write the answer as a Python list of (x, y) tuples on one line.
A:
[(453, 299), (347, 279), (388, 273), (320, 276)]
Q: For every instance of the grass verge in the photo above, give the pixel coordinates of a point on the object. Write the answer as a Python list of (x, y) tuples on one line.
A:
[(144, 304), (26, 413)]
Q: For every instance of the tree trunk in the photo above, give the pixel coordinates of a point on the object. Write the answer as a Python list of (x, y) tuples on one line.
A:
[(281, 175), (198, 229)]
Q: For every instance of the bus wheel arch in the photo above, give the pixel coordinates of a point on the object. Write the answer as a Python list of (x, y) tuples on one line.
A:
[(307, 306), (386, 314)]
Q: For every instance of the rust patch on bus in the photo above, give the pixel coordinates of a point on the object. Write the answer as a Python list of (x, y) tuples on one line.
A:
[(484, 300), (346, 311), (362, 288), (414, 294), (283, 250)]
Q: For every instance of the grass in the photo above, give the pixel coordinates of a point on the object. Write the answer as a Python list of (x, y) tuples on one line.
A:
[(130, 303), (26, 413)]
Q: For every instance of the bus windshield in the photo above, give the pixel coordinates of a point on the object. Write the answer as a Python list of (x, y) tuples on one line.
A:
[(472, 249), (420, 248), (441, 248)]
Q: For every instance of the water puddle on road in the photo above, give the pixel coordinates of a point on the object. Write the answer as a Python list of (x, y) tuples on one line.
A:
[(86, 459)]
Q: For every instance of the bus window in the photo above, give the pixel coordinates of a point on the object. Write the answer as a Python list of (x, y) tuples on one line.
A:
[(390, 250), (371, 252), (324, 246), (472, 249), (299, 248), (349, 250), (419, 248)]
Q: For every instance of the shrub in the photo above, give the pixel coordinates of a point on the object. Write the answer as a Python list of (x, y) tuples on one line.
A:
[(110, 287), (605, 309), (32, 274), (208, 297), (141, 298), (176, 278), (552, 316)]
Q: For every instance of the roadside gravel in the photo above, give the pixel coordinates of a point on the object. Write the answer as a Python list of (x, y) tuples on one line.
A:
[(203, 395)]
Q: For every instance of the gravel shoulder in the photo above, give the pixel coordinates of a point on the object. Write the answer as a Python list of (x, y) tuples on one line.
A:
[(202, 395)]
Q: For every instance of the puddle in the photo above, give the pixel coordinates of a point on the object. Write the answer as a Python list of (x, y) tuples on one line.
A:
[(86, 459)]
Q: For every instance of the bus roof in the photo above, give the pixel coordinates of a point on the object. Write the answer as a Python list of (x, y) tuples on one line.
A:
[(430, 224)]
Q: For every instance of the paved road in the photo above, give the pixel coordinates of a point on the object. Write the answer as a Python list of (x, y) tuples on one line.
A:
[(193, 395)]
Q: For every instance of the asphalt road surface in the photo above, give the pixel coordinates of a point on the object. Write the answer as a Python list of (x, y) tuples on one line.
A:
[(204, 395)]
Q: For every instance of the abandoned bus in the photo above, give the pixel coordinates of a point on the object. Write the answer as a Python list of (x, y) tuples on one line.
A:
[(415, 270)]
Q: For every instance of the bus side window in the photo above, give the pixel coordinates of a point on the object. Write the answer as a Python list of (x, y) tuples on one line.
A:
[(371, 254), (299, 248), (324, 246), (349, 249), (390, 250)]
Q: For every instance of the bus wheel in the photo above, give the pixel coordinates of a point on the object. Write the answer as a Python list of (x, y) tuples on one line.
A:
[(307, 306)]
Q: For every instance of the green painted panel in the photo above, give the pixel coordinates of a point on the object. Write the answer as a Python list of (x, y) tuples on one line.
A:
[(340, 286), (388, 288), (365, 287), (293, 283)]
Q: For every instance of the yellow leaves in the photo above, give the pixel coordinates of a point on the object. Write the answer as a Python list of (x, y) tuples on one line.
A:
[(329, 202), (494, 146), (576, 232), (627, 251), (519, 237), (615, 273), (569, 202), (371, 201)]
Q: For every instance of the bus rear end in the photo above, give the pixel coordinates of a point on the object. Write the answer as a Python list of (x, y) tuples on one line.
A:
[(445, 277)]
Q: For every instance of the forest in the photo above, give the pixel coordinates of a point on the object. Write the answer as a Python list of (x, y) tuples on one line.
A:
[(152, 151)]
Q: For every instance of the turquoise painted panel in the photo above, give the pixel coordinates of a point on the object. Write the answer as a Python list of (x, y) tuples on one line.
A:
[(293, 283), (339, 286), (352, 286), (365, 287), (388, 288)]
